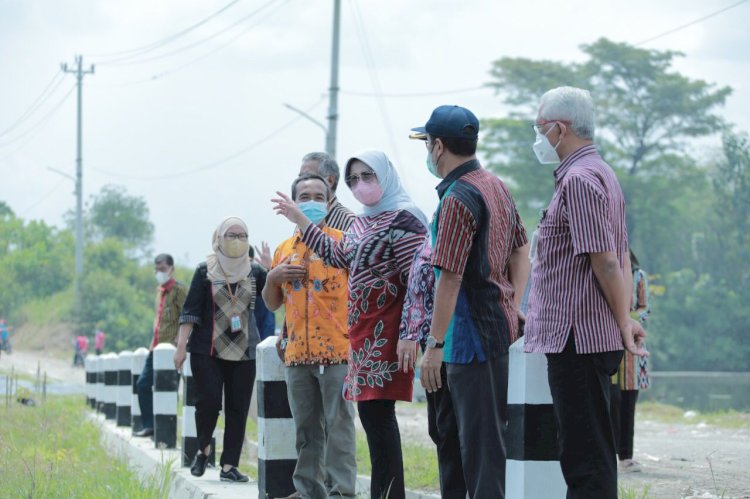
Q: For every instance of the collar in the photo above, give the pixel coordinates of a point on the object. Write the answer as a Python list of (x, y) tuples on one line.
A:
[(564, 167), (167, 286), (458, 172)]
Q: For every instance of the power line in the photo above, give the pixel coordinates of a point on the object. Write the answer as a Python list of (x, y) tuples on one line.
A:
[(416, 94), (691, 23), (46, 93), (43, 121), (212, 164), (43, 198), (159, 43), (128, 60)]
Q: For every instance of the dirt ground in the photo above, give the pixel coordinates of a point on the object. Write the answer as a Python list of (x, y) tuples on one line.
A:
[(679, 461)]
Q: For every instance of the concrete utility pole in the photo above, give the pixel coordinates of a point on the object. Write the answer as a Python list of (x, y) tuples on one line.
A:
[(333, 90), (80, 73)]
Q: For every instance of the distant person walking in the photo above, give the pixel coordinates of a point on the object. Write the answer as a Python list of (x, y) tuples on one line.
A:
[(170, 297), (579, 302), (378, 250), (99, 339), (81, 345), (218, 328), (5, 337)]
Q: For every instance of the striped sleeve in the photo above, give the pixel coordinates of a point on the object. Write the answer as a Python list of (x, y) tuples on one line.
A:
[(590, 217), (519, 233), (329, 250), (406, 236), (456, 231)]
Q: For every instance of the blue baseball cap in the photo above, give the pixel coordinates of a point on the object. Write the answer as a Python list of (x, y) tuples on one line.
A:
[(449, 121)]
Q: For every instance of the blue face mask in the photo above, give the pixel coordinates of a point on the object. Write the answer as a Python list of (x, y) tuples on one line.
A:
[(316, 211)]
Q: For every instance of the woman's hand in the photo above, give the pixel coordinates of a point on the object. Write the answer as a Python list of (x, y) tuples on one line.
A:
[(179, 357), (263, 255), (285, 206), (407, 354)]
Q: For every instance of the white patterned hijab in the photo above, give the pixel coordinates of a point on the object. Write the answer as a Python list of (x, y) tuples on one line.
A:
[(394, 195)]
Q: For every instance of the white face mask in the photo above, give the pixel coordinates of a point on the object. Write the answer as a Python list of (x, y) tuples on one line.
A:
[(162, 277), (545, 153)]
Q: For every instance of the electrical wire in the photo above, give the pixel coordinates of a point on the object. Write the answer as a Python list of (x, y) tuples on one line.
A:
[(164, 41), (42, 121), (43, 198), (212, 164), (127, 61), (49, 89), (415, 94), (691, 23)]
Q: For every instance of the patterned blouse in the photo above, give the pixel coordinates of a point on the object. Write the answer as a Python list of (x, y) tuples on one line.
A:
[(378, 251), (416, 317)]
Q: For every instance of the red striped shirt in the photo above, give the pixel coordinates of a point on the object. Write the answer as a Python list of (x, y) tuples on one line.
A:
[(586, 215)]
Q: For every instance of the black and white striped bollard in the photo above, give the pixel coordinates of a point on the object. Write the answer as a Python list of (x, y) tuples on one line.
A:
[(189, 431), (110, 385), (124, 397), (533, 467), (99, 389), (89, 366), (137, 361), (166, 381), (277, 455)]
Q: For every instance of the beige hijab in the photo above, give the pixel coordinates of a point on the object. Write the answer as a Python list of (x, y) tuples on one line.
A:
[(220, 266)]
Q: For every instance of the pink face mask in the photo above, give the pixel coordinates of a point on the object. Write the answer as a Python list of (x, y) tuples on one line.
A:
[(367, 193)]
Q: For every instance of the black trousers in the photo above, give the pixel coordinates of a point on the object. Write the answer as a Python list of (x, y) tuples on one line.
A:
[(378, 418), (580, 386), (235, 379), (443, 429), (622, 406)]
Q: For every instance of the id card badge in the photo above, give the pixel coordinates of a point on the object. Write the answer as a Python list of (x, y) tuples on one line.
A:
[(236, 324)]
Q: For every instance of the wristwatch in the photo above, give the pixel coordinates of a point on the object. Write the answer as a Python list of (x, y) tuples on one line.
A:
[(432, 342)]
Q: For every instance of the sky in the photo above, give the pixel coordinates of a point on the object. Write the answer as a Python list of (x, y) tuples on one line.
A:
[(198, 126)]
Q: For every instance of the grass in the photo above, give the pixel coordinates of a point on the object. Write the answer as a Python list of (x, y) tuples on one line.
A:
[(630, 493), (52, 450), (664, 413), (420, 464)]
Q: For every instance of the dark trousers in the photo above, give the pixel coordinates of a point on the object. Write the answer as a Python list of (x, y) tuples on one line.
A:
[(622, 406), (443, 430), (235, 379), (580, 386), (144, 388), (378, 418), (479, 393)]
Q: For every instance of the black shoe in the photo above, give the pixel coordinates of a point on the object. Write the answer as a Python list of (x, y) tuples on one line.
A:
[(146, 432), (199, 464), (233, 475)]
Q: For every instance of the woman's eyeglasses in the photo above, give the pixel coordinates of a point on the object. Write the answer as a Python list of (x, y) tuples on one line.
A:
[(366, 177), (233, 237)]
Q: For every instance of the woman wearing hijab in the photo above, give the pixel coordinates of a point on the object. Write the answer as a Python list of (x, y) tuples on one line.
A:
[(217, 327), (378, 251)]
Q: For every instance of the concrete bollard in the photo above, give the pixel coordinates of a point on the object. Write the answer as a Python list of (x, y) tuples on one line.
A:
[(533, 468), (99, 372), (277, 455), (110, 385), (166, 381), (123, 395), (89, 367), (137, 361), (189, 431)]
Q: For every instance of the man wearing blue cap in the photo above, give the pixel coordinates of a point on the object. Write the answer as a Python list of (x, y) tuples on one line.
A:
[(480, 257)]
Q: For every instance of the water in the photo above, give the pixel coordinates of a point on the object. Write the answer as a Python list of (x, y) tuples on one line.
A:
[(700, 391)]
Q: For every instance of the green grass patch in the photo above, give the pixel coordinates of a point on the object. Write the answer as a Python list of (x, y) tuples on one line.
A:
[(420, 464), (631, 493), (50, 309), (53, 450), (664, 413)]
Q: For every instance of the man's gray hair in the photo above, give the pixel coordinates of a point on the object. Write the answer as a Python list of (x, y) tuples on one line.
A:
[(327, 166), (570, 104)]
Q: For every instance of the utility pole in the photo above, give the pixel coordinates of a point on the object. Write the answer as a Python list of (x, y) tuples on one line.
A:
[(80, 73), (333, 90)]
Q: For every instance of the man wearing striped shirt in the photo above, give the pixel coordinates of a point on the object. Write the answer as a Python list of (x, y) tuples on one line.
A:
[(319, 163), (580, 291), (480, 256)]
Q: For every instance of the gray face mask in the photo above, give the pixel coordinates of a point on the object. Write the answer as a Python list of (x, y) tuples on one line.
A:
[(545, 152)]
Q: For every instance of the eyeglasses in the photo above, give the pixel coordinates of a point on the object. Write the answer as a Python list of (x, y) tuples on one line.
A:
[(538, 126), (365, 177), (233, 237)]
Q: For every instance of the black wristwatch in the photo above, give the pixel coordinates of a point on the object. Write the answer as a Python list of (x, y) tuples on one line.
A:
[(433, 343)]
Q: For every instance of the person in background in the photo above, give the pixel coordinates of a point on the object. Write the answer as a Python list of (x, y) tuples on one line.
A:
[(339, 217), (99, 339), (4, 337), (632, 376), (378, 250), (264, 318), (315, 350), (170, 296), (218, 328), (81, 345)]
